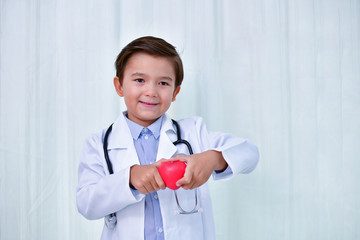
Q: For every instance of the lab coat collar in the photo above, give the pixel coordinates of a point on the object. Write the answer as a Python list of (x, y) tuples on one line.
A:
[(166, 147), (167, 125), (123, 137), (120, 136)]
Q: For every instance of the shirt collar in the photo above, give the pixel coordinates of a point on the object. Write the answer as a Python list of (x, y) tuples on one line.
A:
[(121, 136), (136, 129)]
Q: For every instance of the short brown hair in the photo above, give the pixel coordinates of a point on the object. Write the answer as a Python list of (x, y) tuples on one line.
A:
[(153, 46)]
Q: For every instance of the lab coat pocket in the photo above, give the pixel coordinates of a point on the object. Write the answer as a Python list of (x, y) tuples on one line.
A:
[(178, 225), (175, 224)]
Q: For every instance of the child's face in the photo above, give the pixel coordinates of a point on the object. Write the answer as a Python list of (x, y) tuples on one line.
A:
[(148, 87)]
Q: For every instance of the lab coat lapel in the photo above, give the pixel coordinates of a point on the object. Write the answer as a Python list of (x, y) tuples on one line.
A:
[(166, 147), (121, 142), (120, 136)]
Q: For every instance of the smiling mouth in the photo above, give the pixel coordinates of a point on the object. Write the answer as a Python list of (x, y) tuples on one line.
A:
[(148, 104)]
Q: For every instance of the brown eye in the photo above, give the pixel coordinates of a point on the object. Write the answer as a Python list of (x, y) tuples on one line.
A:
[(140, 80)]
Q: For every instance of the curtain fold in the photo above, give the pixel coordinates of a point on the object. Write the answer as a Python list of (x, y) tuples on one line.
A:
[(285, 74)]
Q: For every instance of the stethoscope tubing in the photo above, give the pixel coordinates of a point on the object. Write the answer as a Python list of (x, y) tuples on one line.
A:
[(110, 220)]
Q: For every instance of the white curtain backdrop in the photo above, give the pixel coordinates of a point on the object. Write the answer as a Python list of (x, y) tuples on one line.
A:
[(283, 73)]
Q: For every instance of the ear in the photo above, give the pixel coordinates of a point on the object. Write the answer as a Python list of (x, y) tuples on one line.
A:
[(176, 92), (118, 87)]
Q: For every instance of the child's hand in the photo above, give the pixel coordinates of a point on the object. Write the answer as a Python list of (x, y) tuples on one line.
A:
[(146, 178), (200, 167)]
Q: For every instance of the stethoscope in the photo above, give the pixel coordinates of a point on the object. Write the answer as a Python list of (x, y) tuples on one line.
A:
[(110, 220)]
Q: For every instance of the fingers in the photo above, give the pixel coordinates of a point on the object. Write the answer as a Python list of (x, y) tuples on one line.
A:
[(184, 183), (159, 181), (187, 181), (148, 188), (183, 158), (146, 178), (199, 169), (175, 158), (191, 181), (157, 164), (197, 172)]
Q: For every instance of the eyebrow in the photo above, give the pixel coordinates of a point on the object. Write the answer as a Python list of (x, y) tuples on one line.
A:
[(139, 74)]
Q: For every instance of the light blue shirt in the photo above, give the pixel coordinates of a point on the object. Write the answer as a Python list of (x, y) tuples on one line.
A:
[(146, 141)]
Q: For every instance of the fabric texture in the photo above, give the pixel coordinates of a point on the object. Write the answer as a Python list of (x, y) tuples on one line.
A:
[(284, 74)]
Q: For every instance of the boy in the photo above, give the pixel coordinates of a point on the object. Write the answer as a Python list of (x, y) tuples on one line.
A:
[(149, 73)]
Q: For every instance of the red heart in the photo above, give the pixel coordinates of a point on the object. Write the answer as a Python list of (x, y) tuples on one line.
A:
[(171, 172)]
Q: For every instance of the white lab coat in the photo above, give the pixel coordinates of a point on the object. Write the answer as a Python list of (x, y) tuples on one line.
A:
[(99, 194)]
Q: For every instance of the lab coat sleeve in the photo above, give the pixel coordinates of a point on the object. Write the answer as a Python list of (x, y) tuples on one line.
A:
[(240, 154), (99, 194)]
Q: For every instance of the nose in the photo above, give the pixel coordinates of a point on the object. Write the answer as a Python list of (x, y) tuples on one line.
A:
[(151, 90)]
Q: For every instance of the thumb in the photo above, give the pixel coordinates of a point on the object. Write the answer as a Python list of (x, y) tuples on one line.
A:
[(182, 158), (158, 163), (186, 179)]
